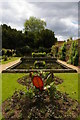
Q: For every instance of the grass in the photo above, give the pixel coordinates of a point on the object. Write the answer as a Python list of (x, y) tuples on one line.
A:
[(10, 84), (9, 60), (70, 84)]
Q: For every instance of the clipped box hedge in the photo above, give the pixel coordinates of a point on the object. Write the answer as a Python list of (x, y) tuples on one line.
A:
[(40, 54)]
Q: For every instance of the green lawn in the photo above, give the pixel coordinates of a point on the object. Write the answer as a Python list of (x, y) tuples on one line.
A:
[(10, 84), (70, 84), (9, 60)]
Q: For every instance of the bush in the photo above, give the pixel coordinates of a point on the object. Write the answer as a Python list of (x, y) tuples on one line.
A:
[(63, 52), (39, 54), (42, 49), (75, 59), (39, 64), (54, 51), (74, 55), (26, 50), (9, 53), (5, 58), (4, 51)]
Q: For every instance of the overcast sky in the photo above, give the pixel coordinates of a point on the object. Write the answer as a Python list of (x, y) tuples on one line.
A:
[(61, 17)]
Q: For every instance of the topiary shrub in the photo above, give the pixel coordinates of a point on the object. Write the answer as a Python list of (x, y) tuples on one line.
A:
[(39, 54), (39, 64)]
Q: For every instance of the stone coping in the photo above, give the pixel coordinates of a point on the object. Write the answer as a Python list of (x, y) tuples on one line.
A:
[(11, 69), (37, 70)]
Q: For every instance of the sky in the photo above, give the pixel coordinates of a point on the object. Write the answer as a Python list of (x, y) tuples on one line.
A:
[(60, 17)]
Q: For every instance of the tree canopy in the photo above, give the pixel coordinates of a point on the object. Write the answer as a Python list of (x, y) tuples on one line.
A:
[(34, 24), (47, 38), (35, 36)]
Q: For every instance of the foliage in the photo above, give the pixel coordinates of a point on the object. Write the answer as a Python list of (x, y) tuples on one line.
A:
[(4, 51), (5, 58), (39, 54), (11, 38), (47, 38), (74, 55), (26, 50), (30, 93), (54, 50), (39, 64), (42, 49), (49, 78), (9, 53), (34, 25), (52, 91), (34, 35), (63, 52)]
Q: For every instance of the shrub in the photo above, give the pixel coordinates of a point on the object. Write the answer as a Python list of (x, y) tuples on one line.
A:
[(74, 55), (9, 53), (54, 50), (76, 58), (26, 50), (30, 93), (4, 51), (63, 52), (5, 58), (39, 64), (42, 49), (39, 54)]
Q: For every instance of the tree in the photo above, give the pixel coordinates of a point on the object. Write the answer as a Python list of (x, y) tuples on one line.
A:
[(74, 53), (47, 38), (63, 52), (34, 25), (11, 38)]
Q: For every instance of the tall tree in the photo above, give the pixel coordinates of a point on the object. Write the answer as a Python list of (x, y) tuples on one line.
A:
[(34, 25), (47, 38)]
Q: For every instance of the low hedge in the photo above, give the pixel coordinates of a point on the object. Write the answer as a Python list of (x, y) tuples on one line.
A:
[(39, 54), (39, 64)]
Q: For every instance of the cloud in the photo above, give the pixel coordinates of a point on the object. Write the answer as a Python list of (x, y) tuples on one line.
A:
[(61, 17)]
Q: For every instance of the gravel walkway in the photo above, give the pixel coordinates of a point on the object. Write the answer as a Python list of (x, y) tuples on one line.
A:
[(5, 66), (71, 66)]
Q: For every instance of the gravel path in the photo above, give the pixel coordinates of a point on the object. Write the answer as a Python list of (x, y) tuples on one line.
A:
[(71, 66), (5, 66)]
